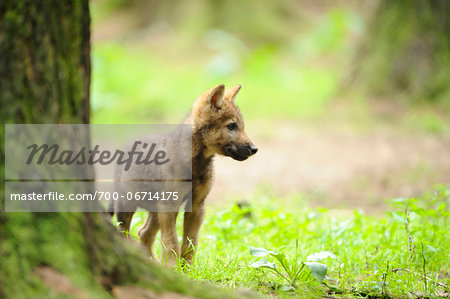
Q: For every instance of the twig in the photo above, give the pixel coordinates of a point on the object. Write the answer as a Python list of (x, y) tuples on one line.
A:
[(384, 278)]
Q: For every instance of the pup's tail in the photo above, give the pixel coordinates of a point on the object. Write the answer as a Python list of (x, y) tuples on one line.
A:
[(111, 208)]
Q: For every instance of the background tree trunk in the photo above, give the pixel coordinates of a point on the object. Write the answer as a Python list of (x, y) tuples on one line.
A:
[(44, 78), (406, 50)]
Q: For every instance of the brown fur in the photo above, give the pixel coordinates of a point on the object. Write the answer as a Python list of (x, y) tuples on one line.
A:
[(212, 134)]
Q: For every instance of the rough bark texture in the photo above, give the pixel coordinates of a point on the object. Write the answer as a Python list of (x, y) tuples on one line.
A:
[(45, 54), (406, 50), (44, 78)]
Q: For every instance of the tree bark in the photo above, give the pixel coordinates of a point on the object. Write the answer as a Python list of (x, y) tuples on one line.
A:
[(406, 51), (44, 78)]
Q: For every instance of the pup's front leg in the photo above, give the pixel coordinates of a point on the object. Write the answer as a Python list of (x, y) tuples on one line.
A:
[(192, 223), (171, 247)]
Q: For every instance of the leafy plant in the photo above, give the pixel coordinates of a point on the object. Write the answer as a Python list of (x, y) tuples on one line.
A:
[(292, 271)]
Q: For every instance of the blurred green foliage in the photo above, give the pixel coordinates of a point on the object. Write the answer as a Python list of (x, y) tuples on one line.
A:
[(157, 81), (151, 60), (130, 86), (405, 53)]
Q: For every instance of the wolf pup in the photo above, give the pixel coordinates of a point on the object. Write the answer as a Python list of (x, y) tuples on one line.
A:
[(217, 128)]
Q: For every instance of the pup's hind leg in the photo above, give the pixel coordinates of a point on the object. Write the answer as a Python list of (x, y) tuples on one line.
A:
[(147, 232), (124, 212), (124, 218)]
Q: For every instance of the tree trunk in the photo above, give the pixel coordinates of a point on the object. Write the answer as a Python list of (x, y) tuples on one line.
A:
[(44, 78), (406, 51)]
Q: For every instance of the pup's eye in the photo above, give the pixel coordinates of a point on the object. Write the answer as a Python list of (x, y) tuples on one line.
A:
[(232, 126)]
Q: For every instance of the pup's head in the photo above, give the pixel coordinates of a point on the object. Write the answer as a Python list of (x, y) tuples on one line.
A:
[(220, 123)]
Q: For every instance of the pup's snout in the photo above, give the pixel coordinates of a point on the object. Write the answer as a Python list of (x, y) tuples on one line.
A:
[(253, 149)]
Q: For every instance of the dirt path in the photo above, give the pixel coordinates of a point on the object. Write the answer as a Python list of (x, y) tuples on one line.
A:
[(334, 168)]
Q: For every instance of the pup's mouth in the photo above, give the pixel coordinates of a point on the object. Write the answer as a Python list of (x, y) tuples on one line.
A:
[(238, 152)]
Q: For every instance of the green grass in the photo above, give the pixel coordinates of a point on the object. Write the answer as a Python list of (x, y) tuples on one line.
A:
[(384, 256)]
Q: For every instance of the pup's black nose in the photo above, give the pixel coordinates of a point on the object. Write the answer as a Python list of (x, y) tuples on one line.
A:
[(253, 149)]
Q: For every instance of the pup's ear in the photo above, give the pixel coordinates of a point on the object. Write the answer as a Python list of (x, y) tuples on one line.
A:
[(230, 94), (215, 96)]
